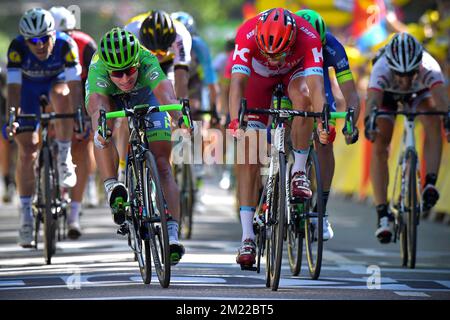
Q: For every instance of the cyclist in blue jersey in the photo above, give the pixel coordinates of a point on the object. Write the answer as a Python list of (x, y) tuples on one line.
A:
[(334, 56), (42, 61), (201, 71)]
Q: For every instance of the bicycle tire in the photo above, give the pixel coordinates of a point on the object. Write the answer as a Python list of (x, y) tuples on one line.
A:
[(48, 188), (143, 257), (187, 202), (396, 208), (295, 234), (314, 251), (413, 208), (159, 236), (278, 217)]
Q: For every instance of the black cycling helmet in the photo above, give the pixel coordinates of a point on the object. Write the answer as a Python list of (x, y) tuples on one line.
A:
[(157, 31)]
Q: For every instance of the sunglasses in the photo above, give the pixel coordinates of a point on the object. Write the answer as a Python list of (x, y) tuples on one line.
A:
[(159, 52), (409, 74), (276, 56), (119, 73), (35, 41)]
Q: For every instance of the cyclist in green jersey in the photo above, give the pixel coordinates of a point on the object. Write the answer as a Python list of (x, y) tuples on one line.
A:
[(124, 72)]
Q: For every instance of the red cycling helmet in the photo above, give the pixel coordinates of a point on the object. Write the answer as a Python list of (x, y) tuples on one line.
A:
[(275, 31)]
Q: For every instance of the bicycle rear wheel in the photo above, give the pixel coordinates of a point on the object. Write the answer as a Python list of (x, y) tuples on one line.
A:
[(186, 201), (276, 224), (48, 188), (295, 233), (412, 206), (155, 204), (139, 241), (314, 218)]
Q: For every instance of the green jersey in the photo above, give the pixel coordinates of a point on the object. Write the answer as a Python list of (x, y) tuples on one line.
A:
[(150, 75)]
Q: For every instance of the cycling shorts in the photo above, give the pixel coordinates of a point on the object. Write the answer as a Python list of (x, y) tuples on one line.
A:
[(157, 124), (30, 94)]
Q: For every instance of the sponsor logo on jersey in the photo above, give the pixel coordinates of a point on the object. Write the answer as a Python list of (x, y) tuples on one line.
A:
[(154, 75), (102, 84), (330, 50), (71, 56), (342, 63), (240, 69), (241, 53), (318, 56), (308, 33), (14, 57), (250, 34)]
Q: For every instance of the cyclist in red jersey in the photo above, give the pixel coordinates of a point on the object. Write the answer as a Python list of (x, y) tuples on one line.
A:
[(82, 148), (275, 47)]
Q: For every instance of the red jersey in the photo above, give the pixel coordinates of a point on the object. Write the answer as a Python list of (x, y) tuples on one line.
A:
[(306, 52), (86, 48)]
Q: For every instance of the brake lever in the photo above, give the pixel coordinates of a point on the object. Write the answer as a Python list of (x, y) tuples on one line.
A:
[(242, 111)]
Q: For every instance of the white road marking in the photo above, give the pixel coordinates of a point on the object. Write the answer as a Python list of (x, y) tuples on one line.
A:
[(412, 294)]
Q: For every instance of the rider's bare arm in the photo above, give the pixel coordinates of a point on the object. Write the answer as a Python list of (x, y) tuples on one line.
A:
[(13, 98), (237, 88), (181, 82), (439, 93), (76, 94), (316, 91), (374, 98), (165, 94), (351, 96)]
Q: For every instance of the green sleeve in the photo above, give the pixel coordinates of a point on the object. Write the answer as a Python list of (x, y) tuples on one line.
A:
[(98, 79), (150, 72)]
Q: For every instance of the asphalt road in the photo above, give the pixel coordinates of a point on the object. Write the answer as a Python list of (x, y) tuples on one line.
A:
[(100, 265)]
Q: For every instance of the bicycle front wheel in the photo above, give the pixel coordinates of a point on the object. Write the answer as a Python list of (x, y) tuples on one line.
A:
[(48, 192), (155, 204), (314, 209), (276, 223), (412, 206), (139, 241)]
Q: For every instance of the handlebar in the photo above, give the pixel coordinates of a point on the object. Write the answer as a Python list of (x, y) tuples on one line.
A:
[(43, 118), (142, 110)]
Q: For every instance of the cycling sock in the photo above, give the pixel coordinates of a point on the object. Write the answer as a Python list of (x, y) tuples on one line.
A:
[(172, 228), (74, 216), (247, 214), (64, 150), (108, 183), (430, 178), (382, 210), (300, 158), (26, 216)]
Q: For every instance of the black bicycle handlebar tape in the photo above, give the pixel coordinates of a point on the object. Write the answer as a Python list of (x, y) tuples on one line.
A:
[(186, 110), (25, 129), (102, 123), (351, 120), (325, 117), (11, 119), (80, 121), (242, 111)]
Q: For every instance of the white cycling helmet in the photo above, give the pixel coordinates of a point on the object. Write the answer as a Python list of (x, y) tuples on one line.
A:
[(36, 22), (64, 19), (404, 53)]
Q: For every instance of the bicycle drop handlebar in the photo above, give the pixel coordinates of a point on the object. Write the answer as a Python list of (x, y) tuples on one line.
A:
[(142, 110)]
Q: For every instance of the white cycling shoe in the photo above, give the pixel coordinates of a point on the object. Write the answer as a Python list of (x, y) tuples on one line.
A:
[(67, 176), (328, 232)]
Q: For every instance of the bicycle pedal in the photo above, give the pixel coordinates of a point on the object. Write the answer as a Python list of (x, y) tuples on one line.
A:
[(248, 268), (123, 229), (295, 200)]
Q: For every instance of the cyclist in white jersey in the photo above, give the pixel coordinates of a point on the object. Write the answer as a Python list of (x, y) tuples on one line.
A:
[(404, 72)]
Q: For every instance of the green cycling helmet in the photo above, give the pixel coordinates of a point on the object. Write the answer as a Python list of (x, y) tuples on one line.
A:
[(119, 49), (315, 19)]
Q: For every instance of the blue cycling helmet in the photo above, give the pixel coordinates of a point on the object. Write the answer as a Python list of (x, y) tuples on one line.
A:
[(186, 19)]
